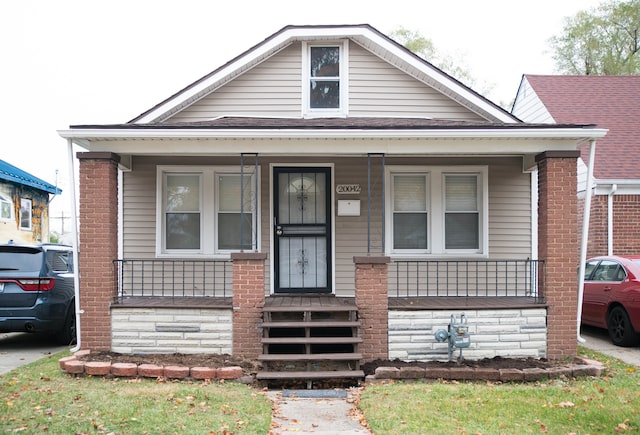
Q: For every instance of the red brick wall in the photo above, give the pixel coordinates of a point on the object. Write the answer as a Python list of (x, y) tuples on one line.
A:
[(372, 301), (558, 239), (248, 301), (626, 216), (98, 246)]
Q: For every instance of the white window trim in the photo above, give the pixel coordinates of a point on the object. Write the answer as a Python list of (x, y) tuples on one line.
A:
[(6, 200), (208, 210), (343, 110), (30, 227), (436, 207)]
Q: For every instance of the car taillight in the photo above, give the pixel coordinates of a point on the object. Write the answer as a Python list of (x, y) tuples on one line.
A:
[(36, 284)]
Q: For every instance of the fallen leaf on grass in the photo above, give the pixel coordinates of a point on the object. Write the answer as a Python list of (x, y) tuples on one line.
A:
[(623, 427)]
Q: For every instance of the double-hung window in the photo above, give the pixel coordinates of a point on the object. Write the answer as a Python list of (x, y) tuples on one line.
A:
[(6, 207), (437, 210), (205, 210), (325, 72), (25, 214), (461, 212)]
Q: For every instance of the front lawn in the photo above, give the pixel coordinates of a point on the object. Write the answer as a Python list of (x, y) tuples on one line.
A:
[(608, 404), (40, 398)]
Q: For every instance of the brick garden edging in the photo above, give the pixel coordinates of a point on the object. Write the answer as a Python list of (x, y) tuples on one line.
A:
[(582, 367), (75, 366)]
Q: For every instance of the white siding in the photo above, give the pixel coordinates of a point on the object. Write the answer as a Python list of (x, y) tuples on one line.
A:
[(528, 106)]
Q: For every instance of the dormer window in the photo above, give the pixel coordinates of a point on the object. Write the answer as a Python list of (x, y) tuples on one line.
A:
[(325, 88)]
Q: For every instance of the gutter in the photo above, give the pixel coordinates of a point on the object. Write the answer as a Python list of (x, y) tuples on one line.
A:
[(612, 192), (585, 236), (88, 134), (74, 244)]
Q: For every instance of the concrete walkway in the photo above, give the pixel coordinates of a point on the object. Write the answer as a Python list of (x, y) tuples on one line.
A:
[(321, 412), (598, 339)]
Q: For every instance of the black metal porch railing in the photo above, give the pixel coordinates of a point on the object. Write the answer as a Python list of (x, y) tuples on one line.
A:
[(467, 278), (174, 278)]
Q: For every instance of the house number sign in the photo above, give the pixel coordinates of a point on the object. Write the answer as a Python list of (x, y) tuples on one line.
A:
[(348, 188)]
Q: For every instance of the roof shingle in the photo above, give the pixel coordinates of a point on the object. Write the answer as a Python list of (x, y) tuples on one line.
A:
[(611, 102)]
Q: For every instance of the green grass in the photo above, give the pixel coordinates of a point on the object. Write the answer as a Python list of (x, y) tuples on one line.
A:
[(609, 404), (40, 398)]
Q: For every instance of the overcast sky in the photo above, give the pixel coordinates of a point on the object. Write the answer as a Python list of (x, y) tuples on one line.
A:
[(67, 62)]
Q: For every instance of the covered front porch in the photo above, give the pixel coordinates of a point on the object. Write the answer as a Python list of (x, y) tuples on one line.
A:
[(505, 307), (389, 292)]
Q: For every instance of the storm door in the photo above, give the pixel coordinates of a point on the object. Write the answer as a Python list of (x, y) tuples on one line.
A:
[(302, 230)]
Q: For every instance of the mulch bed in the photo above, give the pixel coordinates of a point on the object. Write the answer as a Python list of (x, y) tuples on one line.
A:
[(251, 366)]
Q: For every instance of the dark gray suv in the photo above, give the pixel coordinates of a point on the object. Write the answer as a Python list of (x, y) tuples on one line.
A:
[(37, 290)]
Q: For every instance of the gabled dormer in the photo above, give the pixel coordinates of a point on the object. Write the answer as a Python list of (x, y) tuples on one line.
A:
[(326, 71)]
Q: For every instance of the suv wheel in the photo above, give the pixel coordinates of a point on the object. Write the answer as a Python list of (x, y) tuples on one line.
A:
[(67, 335)]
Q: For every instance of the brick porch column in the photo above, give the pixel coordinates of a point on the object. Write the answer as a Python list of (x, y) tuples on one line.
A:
[(98, 246), (372, 300), (248, 301), (558, 247)]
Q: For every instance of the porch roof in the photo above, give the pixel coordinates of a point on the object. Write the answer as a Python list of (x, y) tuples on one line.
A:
[(401, 136)]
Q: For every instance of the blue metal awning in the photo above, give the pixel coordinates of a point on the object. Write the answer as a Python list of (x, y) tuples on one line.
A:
[(11, 173)]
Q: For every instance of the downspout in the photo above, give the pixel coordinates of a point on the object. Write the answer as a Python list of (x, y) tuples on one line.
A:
[(74, 243), (612, 192), (585, 235)]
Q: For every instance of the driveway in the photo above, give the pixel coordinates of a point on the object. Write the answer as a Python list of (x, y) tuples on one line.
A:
[(598, 339), (18, 348)]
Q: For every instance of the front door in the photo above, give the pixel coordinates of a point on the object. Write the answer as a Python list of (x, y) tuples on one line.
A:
[(302, 230)]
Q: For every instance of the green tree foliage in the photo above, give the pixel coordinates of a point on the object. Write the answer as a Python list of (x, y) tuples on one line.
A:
[(602, 41), (423, 47)]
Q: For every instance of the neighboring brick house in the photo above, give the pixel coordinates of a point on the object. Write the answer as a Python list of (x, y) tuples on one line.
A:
[(328, 195), (612, 103), (24, 206)]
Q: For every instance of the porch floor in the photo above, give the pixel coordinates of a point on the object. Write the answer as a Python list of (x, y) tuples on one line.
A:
[(309, 302), (168, 301), (320, 302), (461, 302)]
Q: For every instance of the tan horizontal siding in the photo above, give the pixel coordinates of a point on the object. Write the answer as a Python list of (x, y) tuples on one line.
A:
[(509, 210), (272, 88), (509, 207), (377, 88)]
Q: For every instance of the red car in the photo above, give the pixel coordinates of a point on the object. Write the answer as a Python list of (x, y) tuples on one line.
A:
[(612, 297)]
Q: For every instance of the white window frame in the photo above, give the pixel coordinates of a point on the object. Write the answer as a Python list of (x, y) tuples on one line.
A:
[(436, 207), (343, 108), (30, 207), (5, 200), (208, 210)]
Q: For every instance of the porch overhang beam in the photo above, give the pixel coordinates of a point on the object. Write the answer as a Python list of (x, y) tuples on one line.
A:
[(506, 141), (584, 134)]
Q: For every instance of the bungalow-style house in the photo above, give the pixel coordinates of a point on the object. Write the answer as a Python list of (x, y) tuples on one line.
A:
[(324, 199), (610, 102), (24, 206)]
